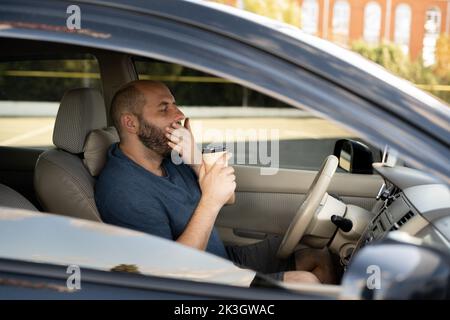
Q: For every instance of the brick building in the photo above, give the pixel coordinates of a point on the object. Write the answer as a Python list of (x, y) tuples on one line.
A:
[(412, 24)]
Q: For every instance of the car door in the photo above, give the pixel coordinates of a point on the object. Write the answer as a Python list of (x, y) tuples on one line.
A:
[(299, 70), (22, 280), (80, 259), (267, 204)]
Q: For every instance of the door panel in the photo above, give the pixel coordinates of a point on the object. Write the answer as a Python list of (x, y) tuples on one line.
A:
[(267, 203)]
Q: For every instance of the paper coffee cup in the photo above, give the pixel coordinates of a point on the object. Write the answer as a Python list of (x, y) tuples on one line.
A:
[(210, 156)]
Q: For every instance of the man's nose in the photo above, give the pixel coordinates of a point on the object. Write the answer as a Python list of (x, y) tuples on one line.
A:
[(179, 115)]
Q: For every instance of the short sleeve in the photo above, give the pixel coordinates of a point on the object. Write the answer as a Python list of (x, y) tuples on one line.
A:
[(144, 214)]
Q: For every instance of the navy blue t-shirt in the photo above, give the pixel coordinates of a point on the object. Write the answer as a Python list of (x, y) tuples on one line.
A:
[(130, 196)]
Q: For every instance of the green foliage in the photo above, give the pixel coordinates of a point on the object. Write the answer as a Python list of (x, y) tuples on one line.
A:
[(282, 10), (442, 67), (52, 77), (192, 87), (45, 85), (393, 59), (202, 89)]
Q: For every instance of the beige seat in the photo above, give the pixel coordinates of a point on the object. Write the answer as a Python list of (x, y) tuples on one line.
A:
[(64, 177), (13, 199)]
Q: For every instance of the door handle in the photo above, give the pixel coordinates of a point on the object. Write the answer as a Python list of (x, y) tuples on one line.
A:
[(249, 234)]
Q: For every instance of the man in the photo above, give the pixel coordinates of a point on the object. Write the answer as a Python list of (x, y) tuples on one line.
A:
[(142, 189)]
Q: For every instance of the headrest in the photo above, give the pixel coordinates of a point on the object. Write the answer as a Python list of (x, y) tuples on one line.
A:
[(81, 111), (96, 148)]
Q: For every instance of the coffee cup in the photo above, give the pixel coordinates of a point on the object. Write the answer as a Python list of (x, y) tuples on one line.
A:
[(210, 156)]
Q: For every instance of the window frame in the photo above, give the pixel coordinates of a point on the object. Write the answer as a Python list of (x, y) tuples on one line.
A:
[(313, 12), (341, 25), (402, 33)]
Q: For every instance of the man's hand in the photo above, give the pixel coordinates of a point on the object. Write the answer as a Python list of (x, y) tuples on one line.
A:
[(182, 141), (218, 184)]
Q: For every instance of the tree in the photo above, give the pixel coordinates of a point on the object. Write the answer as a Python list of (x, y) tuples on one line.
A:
[(287, 11), (393, 59), (442, 67), (282, 10)]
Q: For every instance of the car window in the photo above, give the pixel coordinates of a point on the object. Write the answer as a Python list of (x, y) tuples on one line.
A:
[(30, 91), (259, 130)]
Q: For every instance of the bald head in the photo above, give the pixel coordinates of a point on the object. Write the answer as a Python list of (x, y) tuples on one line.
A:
[(131, 98)]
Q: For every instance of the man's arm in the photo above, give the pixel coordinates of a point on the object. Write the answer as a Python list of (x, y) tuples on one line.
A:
[(198, 230), (217, 187)]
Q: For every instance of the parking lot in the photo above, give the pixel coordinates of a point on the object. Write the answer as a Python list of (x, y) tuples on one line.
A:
[(303, 141), (31, 132)]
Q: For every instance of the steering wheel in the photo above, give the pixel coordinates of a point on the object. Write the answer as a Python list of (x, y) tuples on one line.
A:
[(307, 210)]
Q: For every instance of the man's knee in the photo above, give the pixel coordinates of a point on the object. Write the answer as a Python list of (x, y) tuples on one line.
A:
[(319, 262), (300, 277), (308, 259)]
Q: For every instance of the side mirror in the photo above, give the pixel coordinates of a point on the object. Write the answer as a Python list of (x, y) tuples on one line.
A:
[(354, 156)]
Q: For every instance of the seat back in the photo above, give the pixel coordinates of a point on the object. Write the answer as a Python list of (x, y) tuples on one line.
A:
[(64, 178), (13, 199)]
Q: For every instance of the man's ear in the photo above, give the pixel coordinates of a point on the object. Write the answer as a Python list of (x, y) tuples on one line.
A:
[(129, 123)]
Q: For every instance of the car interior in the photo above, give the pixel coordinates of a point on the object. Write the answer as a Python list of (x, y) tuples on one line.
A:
[(60, 179)]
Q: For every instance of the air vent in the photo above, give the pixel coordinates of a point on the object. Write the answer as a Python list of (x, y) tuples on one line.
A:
[(391, 199), (403, 220)]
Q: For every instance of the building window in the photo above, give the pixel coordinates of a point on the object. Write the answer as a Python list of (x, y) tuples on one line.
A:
[(341, 21), (372, 23), (310, 16), (432, 29), (402, 26)]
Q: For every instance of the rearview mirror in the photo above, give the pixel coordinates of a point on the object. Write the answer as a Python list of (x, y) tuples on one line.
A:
[(354, 156)]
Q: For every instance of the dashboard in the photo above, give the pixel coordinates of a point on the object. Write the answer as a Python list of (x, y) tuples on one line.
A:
[(412, 202)]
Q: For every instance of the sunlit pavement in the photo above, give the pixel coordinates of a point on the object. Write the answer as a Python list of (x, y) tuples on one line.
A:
[(32, 131), (303, 142), (26, 132)]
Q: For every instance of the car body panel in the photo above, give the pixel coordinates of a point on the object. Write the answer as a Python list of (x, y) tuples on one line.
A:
[(104, 247), (28, 280)]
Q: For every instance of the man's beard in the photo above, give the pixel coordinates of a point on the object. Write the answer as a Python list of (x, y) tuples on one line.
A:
[(153, 138)]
